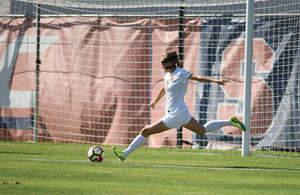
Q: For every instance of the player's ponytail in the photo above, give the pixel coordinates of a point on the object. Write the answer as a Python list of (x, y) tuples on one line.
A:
[(176, 59)]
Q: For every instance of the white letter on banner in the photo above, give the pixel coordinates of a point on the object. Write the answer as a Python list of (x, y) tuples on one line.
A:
[(22, 44)]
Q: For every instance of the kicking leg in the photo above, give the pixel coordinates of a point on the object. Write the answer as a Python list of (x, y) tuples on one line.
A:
[(154, 128)]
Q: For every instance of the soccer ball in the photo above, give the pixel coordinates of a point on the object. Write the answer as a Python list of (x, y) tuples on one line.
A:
[(96, 154)]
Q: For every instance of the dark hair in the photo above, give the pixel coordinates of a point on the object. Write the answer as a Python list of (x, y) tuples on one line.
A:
[(171, 56)]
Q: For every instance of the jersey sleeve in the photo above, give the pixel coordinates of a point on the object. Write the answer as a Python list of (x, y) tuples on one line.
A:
[(183, 76)]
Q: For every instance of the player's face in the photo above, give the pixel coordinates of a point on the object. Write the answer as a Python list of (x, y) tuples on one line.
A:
[(166, 64)]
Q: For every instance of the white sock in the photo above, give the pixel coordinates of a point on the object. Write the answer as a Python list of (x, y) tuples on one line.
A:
[(215, 125), (135, 144)]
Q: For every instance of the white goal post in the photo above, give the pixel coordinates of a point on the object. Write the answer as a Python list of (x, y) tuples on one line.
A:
[(85, 71), (248, 77)]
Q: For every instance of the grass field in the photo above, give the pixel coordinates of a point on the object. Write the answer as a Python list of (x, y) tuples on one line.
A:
[(47, 168)]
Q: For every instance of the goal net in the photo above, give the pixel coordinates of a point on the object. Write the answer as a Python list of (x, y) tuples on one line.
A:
[(99, 68)]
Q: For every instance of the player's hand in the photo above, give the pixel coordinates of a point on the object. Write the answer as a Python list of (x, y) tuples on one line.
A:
[(222, 81), (152, 104)]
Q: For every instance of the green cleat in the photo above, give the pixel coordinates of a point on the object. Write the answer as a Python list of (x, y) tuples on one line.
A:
[(118, 153), (236, 123)]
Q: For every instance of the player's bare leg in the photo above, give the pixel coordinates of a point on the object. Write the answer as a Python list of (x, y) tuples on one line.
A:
[(154, 128), (195, 126)]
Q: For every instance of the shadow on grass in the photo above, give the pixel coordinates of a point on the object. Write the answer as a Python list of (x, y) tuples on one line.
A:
[(209, 167), (20, 153)]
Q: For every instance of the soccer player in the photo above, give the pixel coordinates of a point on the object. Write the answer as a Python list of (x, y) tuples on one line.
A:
[(176, 114)]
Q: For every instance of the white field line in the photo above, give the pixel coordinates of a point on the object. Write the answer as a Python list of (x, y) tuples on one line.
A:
[(196, 153), (162, 166)]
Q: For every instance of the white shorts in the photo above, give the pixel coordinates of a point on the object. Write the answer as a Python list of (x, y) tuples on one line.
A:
[(177, 121)]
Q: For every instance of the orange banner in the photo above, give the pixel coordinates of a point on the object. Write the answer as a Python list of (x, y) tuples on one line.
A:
[(96, 78)]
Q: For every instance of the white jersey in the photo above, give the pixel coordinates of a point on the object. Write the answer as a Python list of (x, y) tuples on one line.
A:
[(176, 86)]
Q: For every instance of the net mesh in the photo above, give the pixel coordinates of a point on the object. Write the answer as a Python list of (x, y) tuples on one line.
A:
[(100, 68)]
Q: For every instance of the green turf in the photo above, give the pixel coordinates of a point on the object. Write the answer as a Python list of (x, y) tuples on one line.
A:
[(46, 168)]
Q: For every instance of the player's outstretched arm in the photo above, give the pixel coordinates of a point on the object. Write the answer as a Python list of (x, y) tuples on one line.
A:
[(158, 97), (208, 79)]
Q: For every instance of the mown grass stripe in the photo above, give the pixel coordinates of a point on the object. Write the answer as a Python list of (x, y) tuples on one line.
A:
[(163, 166)]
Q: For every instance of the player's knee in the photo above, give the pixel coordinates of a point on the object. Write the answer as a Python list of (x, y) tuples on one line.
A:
[(146, 131)]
